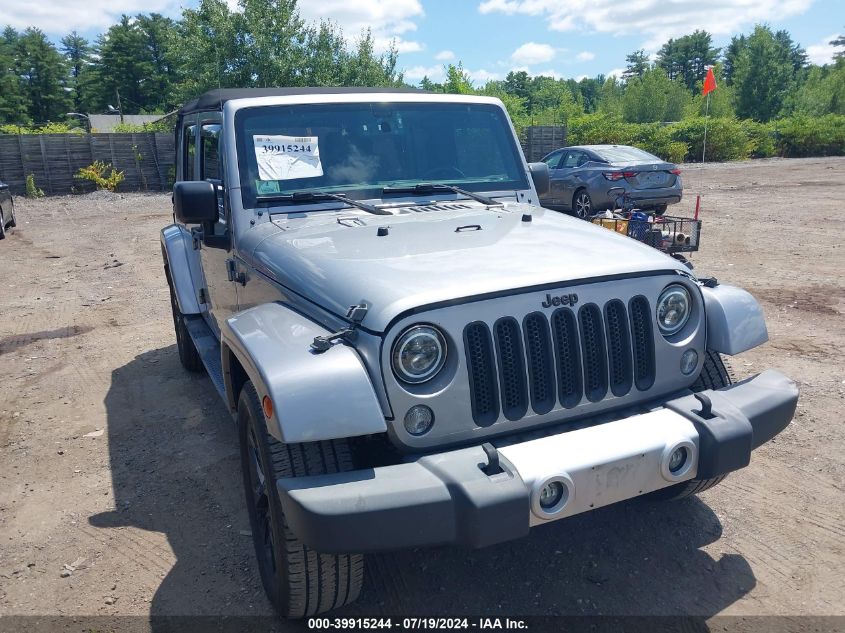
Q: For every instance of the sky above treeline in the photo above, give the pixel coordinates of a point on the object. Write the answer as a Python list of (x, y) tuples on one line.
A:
[(559, 38)]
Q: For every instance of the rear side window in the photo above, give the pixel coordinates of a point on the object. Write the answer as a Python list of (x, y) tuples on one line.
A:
[(574, 159), (623, 153), (210, 156), (189, 151)]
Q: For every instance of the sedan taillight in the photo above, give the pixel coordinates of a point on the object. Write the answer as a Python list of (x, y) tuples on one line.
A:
[(676, 171), (619, 175)]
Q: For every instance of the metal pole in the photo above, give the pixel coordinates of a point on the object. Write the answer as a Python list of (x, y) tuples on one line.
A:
[(706, 115)]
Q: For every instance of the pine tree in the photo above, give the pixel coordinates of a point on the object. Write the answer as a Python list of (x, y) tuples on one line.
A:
[(687, 58), (14, 105), (77, 52), (43, 72), (637, 64)]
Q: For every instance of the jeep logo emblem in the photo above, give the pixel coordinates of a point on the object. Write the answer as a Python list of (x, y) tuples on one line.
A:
[(563, 300)]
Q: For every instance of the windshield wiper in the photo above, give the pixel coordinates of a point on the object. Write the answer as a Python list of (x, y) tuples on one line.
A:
[(311, 196), (427, 187)]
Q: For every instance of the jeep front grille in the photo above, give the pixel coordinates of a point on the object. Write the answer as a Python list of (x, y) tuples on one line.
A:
[(572, 355)]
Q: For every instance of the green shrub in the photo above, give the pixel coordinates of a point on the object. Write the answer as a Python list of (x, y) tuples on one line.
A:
[(726, 139), (104, 175), (32, 190), (762, 138), (801, 135)]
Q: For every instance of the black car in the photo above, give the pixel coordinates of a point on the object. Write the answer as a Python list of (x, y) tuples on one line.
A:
[(7, 210)]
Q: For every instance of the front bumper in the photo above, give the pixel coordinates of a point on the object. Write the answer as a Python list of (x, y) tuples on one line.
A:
[(449, 498)]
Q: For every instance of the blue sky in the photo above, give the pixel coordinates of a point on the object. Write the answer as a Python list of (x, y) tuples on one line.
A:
[(565, 38)]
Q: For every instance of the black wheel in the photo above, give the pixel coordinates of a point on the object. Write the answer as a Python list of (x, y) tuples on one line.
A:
[(13, 223), (299, 581), (2, 227), (582, 204), (188, 355), (714, 375), (660, 209)]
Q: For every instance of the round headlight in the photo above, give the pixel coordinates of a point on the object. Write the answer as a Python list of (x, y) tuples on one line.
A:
[(419, 353), (673, 309)]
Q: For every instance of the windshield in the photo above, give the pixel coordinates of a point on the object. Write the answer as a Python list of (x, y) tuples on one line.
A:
[(623, 153), (360, 148)]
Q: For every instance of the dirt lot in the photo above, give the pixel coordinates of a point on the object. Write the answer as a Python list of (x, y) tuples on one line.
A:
[(120, 489)]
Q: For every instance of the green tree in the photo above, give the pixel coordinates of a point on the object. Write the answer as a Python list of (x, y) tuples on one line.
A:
[(763, 75), (822, 91), (610, 97), (77, 52), (590, 91), (124, 68), (159, 35), (654, 98), (732, 51), (637, 64), (517, 84), (44, 76), (838, 42), (457, 80), (365, 68), (14, 105), (687, 58)]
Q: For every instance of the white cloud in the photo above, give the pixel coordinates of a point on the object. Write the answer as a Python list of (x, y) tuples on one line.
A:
[(822, 53), (382, 44), (533, 53), (651, 18), (617, 72), (353, 16), (445, 56), (585, 56), (414, 74), (482, 76), (58, 17)]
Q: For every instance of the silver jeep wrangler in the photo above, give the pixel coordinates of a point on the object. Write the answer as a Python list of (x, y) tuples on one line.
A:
[(416, 353)]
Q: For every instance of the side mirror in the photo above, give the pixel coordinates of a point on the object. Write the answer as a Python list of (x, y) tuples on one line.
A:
[(195, 202), (540, 176)]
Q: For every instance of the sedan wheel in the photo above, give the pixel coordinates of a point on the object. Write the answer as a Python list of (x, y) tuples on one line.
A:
[(582, 205)]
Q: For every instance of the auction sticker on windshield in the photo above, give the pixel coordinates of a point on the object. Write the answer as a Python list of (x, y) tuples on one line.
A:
[(287, 157)]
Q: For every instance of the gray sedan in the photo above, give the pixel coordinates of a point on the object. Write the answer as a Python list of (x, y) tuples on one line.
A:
[(586, 179)]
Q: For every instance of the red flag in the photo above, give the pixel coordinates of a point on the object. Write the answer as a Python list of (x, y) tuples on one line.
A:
[(709, 83)]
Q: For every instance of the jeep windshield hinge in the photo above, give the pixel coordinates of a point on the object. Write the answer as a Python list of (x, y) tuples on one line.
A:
[(355, 314)]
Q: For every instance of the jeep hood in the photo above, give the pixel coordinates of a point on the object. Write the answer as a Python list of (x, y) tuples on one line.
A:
[(430, 256)]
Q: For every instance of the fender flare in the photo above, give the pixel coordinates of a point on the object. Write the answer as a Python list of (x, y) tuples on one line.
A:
[(315, 396), (735, 321), (176, 243)]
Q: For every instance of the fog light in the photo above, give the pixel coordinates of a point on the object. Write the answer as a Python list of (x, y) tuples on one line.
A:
[(678, 459), (551, 494), (689, 361), (419, 420)]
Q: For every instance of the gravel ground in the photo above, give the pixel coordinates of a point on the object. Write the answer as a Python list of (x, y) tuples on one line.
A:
[(120, 489)]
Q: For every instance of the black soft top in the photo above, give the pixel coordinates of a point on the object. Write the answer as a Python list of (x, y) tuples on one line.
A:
[(214, 99)]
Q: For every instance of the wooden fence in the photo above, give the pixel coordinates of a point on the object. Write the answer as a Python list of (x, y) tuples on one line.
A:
[(539, 140), (147, 160)]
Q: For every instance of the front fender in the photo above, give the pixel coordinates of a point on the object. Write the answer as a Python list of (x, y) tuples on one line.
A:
[(177, 250), (315, 396), (735, 321)]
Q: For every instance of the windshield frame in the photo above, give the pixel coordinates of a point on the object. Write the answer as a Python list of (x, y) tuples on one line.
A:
[(242, 145)]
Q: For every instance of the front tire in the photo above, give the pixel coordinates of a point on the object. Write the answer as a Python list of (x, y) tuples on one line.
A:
[(188, 355), (299, 581), (582, 204), (715, 374)]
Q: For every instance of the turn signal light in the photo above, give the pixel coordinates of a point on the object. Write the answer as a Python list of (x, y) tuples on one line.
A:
[(267, 405)]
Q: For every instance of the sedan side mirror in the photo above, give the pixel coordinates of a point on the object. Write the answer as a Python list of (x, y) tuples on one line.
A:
[(195, 202), (540, 176)]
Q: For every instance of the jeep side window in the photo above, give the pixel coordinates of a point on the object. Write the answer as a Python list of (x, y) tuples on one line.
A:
[(189, 151), (210, 167)]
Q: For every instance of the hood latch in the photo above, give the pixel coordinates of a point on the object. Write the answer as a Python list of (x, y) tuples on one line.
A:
[(355, 314)]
